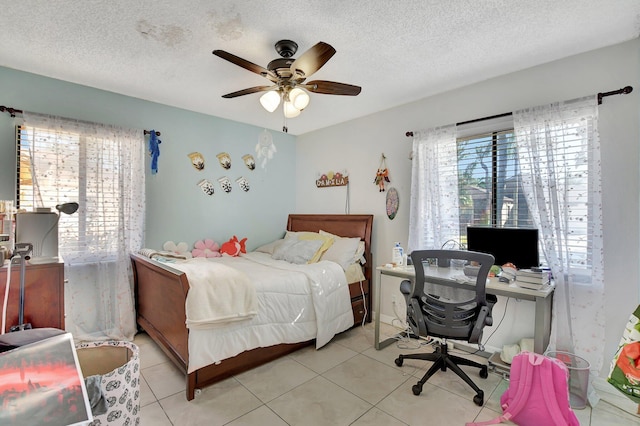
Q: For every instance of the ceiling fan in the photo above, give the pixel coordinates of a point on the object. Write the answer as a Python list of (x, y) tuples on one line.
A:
[(288, 75)]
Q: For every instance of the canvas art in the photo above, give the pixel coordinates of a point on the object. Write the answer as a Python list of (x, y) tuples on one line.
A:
[(42, 384)]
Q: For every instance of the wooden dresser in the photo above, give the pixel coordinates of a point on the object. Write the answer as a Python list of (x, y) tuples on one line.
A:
[(44, 295)]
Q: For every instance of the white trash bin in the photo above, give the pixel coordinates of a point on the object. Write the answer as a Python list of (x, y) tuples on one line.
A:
[(119, 365)]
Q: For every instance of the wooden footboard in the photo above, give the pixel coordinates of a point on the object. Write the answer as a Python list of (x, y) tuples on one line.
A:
[(161, 292)]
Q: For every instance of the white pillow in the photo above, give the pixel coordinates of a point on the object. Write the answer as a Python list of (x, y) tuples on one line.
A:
[(327, 241), (354, 255), (296, 251), (342, 251), (268, 248)]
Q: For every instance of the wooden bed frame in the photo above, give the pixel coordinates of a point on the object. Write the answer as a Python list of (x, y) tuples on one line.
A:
[(161, 293)]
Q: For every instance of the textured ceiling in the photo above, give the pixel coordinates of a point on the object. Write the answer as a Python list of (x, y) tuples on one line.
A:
[(397, 51)]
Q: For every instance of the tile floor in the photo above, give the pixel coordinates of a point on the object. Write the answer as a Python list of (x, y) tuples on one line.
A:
[(347, 382)]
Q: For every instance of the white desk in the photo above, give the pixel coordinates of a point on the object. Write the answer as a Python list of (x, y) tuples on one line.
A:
[(543, 298)]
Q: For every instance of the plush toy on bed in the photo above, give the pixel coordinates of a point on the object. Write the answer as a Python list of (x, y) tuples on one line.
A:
[(233, 247), (181, 249), (206, 248)]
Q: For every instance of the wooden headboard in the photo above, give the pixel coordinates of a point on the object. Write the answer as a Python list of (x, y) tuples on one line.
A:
[(345, 225)]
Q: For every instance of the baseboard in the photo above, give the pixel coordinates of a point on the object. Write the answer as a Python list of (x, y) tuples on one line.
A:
[(611, 395)]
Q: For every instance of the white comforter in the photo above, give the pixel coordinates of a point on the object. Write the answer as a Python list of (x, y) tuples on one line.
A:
[(296, 303), (218, 294)]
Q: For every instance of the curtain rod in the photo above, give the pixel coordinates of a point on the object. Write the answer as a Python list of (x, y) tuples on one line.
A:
[(12, 112), (624, 91)]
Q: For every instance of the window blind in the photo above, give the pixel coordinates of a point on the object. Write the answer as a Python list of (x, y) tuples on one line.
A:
[(59, 167), (489, 182)]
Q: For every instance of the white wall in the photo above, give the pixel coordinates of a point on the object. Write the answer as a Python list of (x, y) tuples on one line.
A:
[(357, 145)]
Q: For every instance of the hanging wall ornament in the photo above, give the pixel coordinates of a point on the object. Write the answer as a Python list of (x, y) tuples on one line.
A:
[(197, 160), (265, 149), (249, 161), (225, 184), (382, 175), (206, 186), (393, 202), (225, 160), (154, 150), (243, 183)]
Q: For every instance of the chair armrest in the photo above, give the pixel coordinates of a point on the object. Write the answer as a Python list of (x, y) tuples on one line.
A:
[(484, 318), (414, 313)]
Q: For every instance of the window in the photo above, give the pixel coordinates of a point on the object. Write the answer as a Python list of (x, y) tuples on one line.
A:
[(56, 166), (101, 167), (489, 182)]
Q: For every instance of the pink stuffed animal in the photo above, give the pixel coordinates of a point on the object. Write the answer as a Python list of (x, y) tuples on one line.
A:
[(206, 248), (233, 247)]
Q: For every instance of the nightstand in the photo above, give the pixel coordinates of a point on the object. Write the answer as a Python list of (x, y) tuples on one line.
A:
[(44, 295)]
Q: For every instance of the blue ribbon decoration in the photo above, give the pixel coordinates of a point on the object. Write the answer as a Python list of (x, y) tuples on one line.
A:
[(154, 151)]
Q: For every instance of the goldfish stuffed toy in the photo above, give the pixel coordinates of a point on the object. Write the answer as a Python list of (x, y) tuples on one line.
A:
[(233, 247)]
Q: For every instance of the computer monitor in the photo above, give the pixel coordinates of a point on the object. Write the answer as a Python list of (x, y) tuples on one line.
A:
[(516, 245)]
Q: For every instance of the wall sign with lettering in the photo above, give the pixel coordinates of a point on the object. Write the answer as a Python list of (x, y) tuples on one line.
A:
[(325, 180)]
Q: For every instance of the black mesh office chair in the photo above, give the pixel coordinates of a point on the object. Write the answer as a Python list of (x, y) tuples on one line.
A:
[(436, 310)]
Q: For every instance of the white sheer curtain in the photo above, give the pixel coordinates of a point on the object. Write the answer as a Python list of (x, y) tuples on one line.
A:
[(559, 154), (102, 168), (434, 215)]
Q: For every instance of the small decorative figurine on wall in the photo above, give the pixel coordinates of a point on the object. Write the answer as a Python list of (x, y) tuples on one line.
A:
[(225, 160), (197, 160), (249, 161), (206, 186), (382, 175)]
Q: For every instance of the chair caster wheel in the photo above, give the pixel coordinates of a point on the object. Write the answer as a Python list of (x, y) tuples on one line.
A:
[(417, 389), (484, 372), (399, 361), (479, 399)]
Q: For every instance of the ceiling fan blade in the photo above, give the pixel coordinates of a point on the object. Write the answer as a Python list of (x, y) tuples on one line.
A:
[(332, 88), (248, 91), (312, 60), (245, 64)]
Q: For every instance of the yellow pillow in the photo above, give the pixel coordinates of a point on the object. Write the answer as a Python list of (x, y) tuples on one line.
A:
[(326, 242)]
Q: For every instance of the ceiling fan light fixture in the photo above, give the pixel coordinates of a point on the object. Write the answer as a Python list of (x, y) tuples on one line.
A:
[(270, 100), (299, 98), (290, 111)]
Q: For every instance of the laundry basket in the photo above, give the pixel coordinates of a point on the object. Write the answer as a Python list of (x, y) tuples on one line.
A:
[(119, 365)]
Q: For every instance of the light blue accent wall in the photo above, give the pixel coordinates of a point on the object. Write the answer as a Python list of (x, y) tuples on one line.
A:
[(177, 209)]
